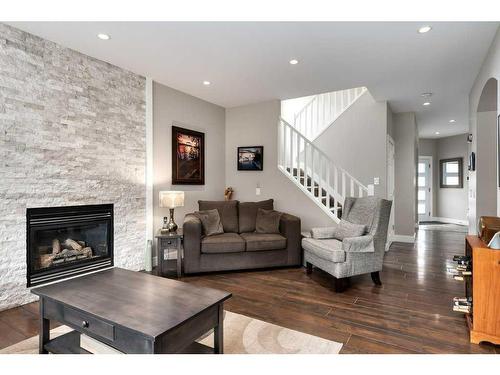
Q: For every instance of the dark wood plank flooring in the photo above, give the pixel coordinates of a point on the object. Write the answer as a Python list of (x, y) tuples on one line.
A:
[(409, 313)]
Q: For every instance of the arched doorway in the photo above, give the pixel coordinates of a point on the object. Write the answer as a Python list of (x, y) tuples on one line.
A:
[(486, 154)]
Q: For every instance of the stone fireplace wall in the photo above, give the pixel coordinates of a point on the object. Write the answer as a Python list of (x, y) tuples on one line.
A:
[(72, 131)]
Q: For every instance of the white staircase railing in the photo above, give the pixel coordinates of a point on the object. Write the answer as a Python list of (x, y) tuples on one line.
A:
[(314, 172), (323, 109)]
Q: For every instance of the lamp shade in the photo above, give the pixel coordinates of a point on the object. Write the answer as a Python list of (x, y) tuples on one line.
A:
[(171, 199)]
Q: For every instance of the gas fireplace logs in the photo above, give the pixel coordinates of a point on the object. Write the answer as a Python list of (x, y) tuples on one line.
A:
[(68, 251)]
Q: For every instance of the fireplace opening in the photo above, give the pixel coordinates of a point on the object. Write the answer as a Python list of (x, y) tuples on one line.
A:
[(66, 241)]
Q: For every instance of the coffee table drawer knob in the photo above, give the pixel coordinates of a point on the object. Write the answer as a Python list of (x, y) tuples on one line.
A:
[(85, 324)]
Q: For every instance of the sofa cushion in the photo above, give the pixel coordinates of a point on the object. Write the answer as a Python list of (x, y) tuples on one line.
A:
[(330, 250), (210, 220), (222, 243), (248, 214), (268, 221), (264, 241), (228, 211)]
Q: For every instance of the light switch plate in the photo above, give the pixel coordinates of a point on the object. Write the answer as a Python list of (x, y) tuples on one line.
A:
[(376, 180), (257, 191)]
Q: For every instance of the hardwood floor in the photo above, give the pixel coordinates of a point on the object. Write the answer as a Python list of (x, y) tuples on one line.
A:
[(409, 313)]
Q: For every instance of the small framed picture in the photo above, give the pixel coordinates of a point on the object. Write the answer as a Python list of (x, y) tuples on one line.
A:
[(251, 158)]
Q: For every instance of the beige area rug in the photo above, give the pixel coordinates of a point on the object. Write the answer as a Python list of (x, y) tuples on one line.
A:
[(242, 335)]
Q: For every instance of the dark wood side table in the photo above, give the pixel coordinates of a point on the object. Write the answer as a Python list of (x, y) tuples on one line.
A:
[(165, 243), (132, 312)]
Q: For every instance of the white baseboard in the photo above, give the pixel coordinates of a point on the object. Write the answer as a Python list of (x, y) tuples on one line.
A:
[(449, 220), (401, 238)]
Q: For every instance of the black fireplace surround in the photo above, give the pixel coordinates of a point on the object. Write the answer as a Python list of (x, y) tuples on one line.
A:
[(67, 241)]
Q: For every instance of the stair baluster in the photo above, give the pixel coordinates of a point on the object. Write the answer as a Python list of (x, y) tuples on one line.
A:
[(310, 169)]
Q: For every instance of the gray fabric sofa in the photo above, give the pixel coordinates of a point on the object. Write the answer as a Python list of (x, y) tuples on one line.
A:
[(239, 247), (354, 255)]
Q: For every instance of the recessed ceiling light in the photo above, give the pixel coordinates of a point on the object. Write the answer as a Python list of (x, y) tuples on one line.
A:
[(424, 29), (294, 62), (452, 121), (206, 83), (426, 103), (103, 36), (437, 133)]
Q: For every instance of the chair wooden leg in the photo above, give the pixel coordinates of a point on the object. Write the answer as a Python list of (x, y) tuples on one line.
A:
[(340, 284), (309, 268), (376, 278)]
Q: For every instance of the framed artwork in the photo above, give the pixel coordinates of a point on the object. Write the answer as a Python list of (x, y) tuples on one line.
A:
[(188, 157), (251, 158), (451, 173)]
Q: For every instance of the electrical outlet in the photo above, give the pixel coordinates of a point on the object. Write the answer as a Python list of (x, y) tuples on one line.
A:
[(257, 191), (376, 180)]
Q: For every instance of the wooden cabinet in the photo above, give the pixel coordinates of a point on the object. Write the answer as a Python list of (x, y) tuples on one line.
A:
[(484, 288)]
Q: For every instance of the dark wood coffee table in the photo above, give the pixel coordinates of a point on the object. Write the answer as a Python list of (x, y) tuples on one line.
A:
[(131, 311)]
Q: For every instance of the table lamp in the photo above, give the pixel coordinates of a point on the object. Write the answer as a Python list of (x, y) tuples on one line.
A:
[(170, 199)]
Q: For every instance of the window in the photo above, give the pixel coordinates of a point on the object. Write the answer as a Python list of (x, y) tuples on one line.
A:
[(451, 173)]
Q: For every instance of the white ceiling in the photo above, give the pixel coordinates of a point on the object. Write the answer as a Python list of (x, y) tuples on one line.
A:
[(248, 62)]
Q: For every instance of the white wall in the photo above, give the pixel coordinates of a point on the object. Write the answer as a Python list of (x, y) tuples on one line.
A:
[(190, 112), (406, 155), (290, 107), (357, 142), (256, 125), (489, 69)]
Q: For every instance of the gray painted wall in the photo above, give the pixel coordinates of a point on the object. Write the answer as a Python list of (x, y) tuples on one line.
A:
[(187, 111), (256, 125), (357, 142), (486, 164), (72, 132), (406, 155), (452, 203), (489, 69)]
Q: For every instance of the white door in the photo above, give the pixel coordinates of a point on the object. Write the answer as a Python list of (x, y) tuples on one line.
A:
[(424, 198), (390, 182)]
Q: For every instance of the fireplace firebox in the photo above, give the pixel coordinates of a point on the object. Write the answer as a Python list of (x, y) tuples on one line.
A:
[(67, 241)]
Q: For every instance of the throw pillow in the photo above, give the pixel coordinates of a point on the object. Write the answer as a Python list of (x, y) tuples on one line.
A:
[(248, 214), (323, 233), (268, 221), (346, 229), (210, 221)]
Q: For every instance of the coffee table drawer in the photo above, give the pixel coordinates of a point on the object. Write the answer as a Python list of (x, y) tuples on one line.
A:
[(89, 323)]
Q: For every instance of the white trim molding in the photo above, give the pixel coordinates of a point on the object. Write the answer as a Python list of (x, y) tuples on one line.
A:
[(449, 220)]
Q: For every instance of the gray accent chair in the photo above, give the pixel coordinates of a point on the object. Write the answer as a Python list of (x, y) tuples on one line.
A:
[(354, 255), (240, 247)]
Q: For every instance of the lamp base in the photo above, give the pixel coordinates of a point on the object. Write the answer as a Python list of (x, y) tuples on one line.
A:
[(169, 226)]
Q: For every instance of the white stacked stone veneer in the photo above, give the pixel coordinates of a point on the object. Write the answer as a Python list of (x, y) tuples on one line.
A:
[(72, 132)]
